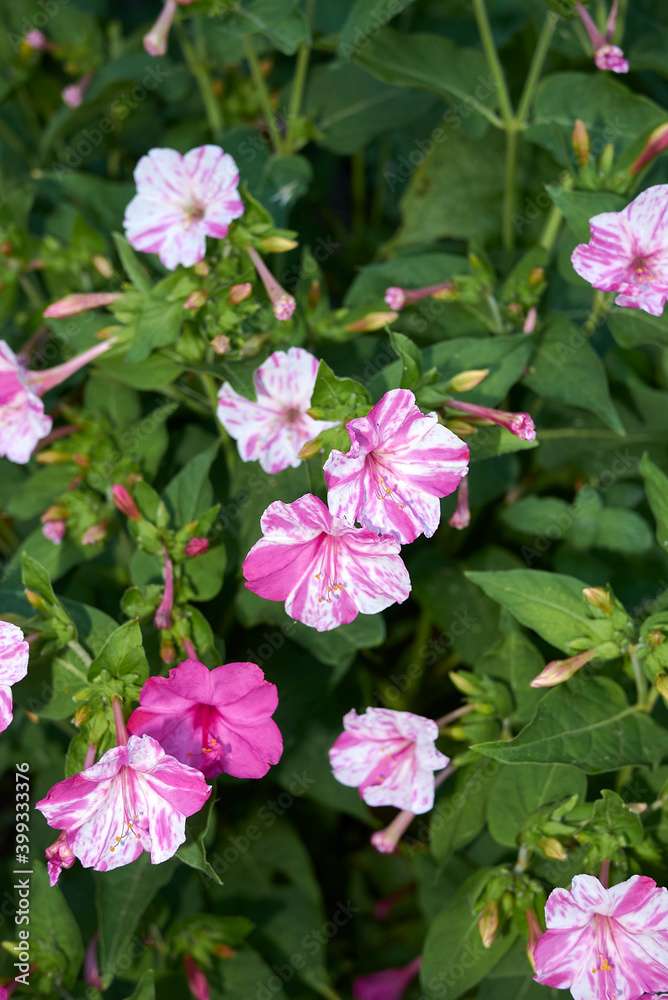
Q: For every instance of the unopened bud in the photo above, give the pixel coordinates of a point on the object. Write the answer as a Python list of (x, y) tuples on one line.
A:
[(457, 733), (277, 244), (103, 266), (464, 683), (637, 808), (607, 158), (462, 428), (167, 652), (655, 638), (599, 598), (54, 513), (202, 269), (239, 293), (558, 671), (372, 321), (309, 449), (224, 951), (468, 380), (197, 547), (196, 299), (580, 141), (662, 685), (656, 144), (552, 848), (96, 533), (536, 277), (314, 293), (534, 936), (81, 716), (35, 600), (53, 457), (221, 344), (124, 502), (488, 924)]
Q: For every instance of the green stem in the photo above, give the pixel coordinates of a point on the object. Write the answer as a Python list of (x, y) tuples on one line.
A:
[(263, 93), (198, 69), (297, 93), (493, 62), (508, 230), (555, 218), (359, 191), (638, 676), (418, 651), (536, 67), (601, 305), (78, 649), (228, 449)]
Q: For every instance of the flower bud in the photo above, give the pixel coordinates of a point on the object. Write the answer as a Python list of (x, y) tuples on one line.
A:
[(662, 685), (314, 293), (599, 598), (197, 547), (202, 269), (372, 321), (54, 530), (196, 300), (558, 671), (552, 848), (124, 502), (488, 924), (580, 141), (463, 683), (468, 380), (534, 936), (277, 244), (167, 652), (96, 533), (607, 158), (103, 266), (536, 277), (221, 344), (239, 293), (35, 600)]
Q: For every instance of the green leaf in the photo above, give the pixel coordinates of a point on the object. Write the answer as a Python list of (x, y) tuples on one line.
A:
[(122, 896), (68, 677), (454, 959), (410, 357), (459, 815), (578, 207), (589, 723), (38, 491), (521, 790), (281, 21), (515, 660), (634, 328), (337, 398), (145, 988), (135, 271), (656, 487), (549, 603), (566, 369), (56, 947), (365, 18), (190, 492), (155, 372), (198, 829), (122, 654), (157, 324)]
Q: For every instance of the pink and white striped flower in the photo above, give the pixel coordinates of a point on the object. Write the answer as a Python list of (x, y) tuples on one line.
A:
[(400, 463), (14, 652), (274, 429), (219, 721), (180, 201), (23, 421), (603, 943), (390, 757), (628, 252), (325, 570), (136, 798)]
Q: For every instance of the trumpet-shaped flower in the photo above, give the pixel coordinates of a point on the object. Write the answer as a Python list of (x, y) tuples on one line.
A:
[(275, 428), (606, 55), (390, 984), (628, 252), (326, 571), (136, 798), (14, 652), (400, 463), (390, 757), (603, 943), (219, 721), (180, 201)]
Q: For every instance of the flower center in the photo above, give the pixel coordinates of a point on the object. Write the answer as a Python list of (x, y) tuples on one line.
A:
[(193, 212), (642, 272), (291, 415)]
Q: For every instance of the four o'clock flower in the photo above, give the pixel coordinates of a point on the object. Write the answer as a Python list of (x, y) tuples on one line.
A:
[(275, 428), (326, 571), (396, 298), (400, 463), (136, 798), (198, 984), (23, 421), (390, 757), (219, 721), (606, 56), (14, 653), (628, 252), (390, 984), (602, 943), (155, 41), (180, 201), (282, 303), (74, 93), (72, 305), (519, 424), (54, 530)]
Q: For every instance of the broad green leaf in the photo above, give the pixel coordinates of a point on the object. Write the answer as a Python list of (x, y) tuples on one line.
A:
[(337, 398), (410, 357), (566, 369), (68, 676), (243, 975), (459, 815), (56, 947), (145, 988), (365, 18), (281, 21), (190, 492), (454, 959), (122, 654), (656, 487), (521, 790), (549, 603), (515, 660), (122, 896), (56, 559), (587, 722), (132, 266), (634, 328), (578, 207), (198, 830), (155, 372), (158, 324), (35, 493)]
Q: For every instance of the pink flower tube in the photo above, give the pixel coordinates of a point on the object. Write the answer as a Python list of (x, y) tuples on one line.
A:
[(326, 571), (72, 305), (390, 984)]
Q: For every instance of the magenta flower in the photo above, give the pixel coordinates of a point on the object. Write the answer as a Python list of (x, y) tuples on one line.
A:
[(274, 429), (400, 463), (390, 984), (124, 502), (91, 968), (628, 252), (72, 305), (519, 424), (136, 798), (14, 652), (603, 943), (180, 201), (396, 298), (196, 547), (326, 571), (54, 530), (198, 984), (219, 721), (606, 56), (23, 421), (58, 855), (390, 757)]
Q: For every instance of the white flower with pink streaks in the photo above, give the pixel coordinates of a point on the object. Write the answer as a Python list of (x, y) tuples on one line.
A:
[(603, 943), (273, 430), (628, 252), (390, 757), (136, 798), (23, 421), (180, 201), (400, 463), (14, 652), (326, 571)]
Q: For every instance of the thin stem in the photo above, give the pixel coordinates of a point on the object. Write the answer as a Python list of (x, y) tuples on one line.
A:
[(601, 305), (420, 643), (226, 441), (198, 69), (536, 67), (297, 93), (493, 62), (508, 225), (119, 722), (77, 648), (263, 93), (604, 874), (449, 717), (638, 676)]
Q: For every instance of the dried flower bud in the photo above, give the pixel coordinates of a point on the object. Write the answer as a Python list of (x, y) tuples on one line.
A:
[(239, 293), (103, 266), (196, 300), (372, 321), (599, 598), (580, 141)]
